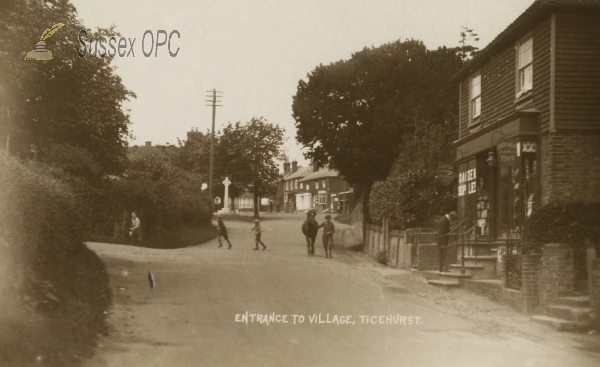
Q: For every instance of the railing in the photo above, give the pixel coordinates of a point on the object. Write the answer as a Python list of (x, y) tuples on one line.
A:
[(513, 277)]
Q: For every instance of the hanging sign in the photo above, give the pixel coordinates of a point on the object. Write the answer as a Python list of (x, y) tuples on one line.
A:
[(507, 152)]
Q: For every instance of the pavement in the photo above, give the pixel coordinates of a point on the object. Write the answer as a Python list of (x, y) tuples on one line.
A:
[(218, 307)]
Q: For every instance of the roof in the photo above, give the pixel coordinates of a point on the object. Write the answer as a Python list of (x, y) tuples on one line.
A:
[(143, 151), (538, 9), (326, 172), (300, 172)]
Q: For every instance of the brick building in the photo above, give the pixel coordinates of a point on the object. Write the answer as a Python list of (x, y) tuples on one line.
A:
[(320, 190), (529, 117)]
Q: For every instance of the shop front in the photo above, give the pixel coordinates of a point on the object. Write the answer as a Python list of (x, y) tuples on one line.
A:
[(498, 177)]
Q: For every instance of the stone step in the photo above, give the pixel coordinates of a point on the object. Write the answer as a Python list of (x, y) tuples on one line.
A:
[(481, 258), (562, 325), (444, 283), (569, 313), (454, 275), (577, 301), (476, 271)]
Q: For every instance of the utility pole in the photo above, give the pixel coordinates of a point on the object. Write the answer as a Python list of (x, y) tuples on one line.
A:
[(213, 102)]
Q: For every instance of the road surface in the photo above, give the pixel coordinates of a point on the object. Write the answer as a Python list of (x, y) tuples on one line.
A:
[(200, 312)]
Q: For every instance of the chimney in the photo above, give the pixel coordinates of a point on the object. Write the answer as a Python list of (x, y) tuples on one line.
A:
[(148, 143), (286, 167), (315, 166), (294, 165)]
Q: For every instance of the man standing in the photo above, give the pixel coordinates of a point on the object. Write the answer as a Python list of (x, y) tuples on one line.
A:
[(328, 231), (443, 229), (135, 231)]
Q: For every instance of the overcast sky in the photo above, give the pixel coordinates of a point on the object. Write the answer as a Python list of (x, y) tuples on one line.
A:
[(255, 51)]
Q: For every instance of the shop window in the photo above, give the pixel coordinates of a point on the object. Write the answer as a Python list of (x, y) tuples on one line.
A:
[(474, 207)]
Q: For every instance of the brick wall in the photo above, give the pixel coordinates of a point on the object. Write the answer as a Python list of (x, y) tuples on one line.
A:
[(530, 272), (557, 274), (595, 288), (428, 256), (570, 163)]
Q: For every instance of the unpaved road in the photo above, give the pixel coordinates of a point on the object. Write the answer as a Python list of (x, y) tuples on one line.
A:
[(189, 319)]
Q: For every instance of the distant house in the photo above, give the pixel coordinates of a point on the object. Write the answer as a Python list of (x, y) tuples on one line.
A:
[(529, 118), (244, 202), (146, 150), (289, 184), (320, 190)]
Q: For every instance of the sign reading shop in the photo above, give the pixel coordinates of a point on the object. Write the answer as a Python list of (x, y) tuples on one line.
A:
[(507, 152), (467, 183)]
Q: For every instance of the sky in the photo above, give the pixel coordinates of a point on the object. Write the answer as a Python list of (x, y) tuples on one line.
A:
[(256, 51)]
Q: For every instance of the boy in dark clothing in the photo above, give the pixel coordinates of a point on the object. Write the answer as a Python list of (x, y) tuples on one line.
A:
[(222, 231), (257, 231), (328, 231)]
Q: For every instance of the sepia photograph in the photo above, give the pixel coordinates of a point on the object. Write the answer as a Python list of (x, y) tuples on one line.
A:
[(310, 183)]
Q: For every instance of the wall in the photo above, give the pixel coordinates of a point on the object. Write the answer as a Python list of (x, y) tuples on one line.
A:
[(577, 76), (570, 163), (498, 81), (557, 275)]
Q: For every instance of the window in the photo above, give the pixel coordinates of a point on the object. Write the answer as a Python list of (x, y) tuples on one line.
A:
[(324, 183), (525, 54), (301, 185), (476, 95), (287, 185), (322, 198), (316, 184)]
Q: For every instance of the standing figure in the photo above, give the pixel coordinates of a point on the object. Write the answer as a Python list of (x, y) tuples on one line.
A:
[(257, 232), (222, 231), (443, 229), (135, 231), (310, 228), (328, 231)]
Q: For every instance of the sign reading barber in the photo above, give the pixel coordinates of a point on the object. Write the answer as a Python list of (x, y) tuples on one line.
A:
[(467, 183)]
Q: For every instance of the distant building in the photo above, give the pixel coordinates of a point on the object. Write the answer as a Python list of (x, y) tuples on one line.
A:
[(146, 150), (320, 190)]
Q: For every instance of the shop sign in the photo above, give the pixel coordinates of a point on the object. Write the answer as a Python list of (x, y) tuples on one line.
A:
[(467, 183), (507, 152)]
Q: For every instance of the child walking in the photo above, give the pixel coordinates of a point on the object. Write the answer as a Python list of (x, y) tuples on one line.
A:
[(222, 231), (257, 231), (328, 231)]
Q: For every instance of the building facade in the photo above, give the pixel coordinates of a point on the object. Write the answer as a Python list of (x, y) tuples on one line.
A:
[(529, 118), (320, 191)]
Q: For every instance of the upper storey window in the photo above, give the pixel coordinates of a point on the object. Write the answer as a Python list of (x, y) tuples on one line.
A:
[(525, 52), (476, 95)]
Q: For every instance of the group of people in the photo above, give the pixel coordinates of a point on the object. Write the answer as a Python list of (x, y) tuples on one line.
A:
[(223, 233), (310, 229)]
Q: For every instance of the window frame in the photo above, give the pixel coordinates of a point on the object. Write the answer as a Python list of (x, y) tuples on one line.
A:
[(474, 119), (521, 88)]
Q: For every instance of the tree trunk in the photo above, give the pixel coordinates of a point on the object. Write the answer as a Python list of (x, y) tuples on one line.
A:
[(256, 200)]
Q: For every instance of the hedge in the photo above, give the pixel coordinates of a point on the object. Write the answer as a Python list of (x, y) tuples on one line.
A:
[(575, 223), (54, 290)]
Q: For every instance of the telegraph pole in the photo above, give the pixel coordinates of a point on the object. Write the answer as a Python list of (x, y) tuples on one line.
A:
[(213, 102)]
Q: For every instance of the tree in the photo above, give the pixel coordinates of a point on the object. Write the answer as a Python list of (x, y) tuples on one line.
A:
[(466, 51), (355, 112), (247, 153), (71, 100)]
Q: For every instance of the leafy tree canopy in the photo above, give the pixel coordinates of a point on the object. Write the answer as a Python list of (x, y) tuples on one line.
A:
[(355, 112), (70, 100), (247, 153)]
